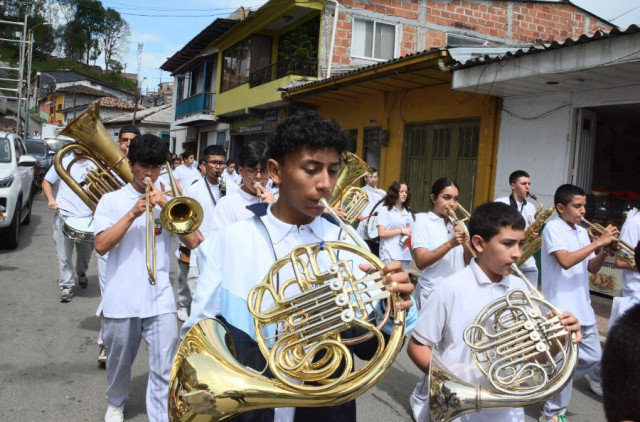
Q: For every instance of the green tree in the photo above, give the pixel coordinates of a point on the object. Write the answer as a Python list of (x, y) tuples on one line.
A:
[(114, 35)]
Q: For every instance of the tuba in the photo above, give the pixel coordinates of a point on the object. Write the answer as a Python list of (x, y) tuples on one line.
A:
[(526, 356), (301, 310), (353, 200), (92, 138), (533, 245)]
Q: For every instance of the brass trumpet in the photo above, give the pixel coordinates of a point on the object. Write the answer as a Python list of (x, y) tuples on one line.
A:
[(622, 250), (453, 217), (181, 215), (526, 357)]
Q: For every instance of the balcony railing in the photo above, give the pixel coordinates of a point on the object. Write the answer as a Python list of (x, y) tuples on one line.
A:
[(199, 103), (292, 66)]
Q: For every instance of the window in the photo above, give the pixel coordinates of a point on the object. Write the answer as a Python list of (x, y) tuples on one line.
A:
[(240, 60), (374, 40), (462, 41)]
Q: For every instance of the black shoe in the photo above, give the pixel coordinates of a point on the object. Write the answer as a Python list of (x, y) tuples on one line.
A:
[(82, 280)]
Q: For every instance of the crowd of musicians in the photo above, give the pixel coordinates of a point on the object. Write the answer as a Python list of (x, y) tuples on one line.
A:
[(257, 209)]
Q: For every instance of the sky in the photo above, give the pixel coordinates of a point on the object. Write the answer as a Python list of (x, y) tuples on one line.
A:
[(165, 26)]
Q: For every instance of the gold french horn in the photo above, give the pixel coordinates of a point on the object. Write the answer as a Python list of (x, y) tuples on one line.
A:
[(525, 355)]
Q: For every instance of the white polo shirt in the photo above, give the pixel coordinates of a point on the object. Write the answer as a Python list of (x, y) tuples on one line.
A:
[(186, 176), (450, 308), (566, 289), (70, 204), (234, 177), (526, 208), (230, 209), (374, 195), (200, 192), (127, 291), (390, 247), (630, 233), (431, 231)]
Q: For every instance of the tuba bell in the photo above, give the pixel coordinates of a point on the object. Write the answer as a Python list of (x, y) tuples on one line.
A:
[(92, 138), (353, 200), (526, 357)]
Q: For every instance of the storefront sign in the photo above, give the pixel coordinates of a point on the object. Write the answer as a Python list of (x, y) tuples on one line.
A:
[(249, 124), (608, 280)]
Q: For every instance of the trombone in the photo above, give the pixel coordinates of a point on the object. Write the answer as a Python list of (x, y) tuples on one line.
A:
[(623, 250), (179, 216), (453, 218)]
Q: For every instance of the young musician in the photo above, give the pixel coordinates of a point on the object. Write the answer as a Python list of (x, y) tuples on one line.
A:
[(68, 204), (568, 256), (395, 221), (187, 173), (231, 176), (630, 294), (206, 191), (438, 253), (497, 233), (133, 308), (252, 165), (520, 184), (126, 134), (374, 195), (304, 159)]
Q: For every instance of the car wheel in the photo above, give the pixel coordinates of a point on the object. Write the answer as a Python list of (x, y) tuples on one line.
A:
[(10, 234), (27, 218)]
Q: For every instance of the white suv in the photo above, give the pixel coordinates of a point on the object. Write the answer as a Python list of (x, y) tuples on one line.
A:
[(16, 188)]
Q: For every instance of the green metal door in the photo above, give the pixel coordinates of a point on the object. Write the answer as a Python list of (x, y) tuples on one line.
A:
[(440, 149)]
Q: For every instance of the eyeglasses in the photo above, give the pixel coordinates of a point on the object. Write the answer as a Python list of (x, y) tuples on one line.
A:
[(216, 163), (252, 172)]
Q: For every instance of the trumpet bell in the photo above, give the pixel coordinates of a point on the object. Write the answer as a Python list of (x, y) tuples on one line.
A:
[(181, 215)]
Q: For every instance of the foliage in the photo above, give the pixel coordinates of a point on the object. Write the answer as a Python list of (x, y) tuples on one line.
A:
[(301, 42)]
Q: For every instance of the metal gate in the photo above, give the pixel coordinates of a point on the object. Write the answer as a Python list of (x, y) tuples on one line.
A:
[(440, 149)]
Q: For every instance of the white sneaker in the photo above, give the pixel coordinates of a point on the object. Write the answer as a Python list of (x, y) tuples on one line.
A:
[(114, 414), (595, 385), (182, 314)]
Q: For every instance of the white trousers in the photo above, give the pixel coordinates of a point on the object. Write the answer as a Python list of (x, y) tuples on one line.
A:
[(589, 356), (64, 250), (122, 339)]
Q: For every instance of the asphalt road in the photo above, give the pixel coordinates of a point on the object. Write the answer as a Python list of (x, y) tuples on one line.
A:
[(48, 369)]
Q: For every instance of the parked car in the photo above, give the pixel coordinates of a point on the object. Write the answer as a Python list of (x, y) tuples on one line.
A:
[(54, 144), (16, 188), (40, 150)]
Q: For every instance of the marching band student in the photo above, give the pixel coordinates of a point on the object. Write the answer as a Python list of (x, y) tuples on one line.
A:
[(206, 191), (231, 176), (497, 233), (438, 253), (252, 165), (68, 204), (186, 174), (630, 294), (374, 195), (395, 221), (126, 134), (567, 257), (133, 308), (304, 159), (520, 184)]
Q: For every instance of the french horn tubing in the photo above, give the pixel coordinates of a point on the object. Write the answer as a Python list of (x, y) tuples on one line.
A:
[(526, 355)]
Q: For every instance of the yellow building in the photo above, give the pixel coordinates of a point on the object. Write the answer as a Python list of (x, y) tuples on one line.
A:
[(407, 122)]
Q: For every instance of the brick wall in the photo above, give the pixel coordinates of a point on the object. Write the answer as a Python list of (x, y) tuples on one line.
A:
[(423, 24)]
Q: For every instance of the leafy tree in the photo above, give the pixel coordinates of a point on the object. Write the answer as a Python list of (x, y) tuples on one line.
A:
[(115, 66), (114, 35)]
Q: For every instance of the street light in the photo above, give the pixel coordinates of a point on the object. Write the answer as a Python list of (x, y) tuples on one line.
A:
[(30, 54)]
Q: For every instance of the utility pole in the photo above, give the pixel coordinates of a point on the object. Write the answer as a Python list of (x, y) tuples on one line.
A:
[(19, 69), (135, 104), (30, 55)]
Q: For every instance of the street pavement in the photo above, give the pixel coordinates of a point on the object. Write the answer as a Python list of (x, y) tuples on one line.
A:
[(48, 369)]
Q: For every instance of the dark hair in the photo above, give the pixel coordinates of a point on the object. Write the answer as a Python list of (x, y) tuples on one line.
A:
[(487, 220), (372, 170), (513, 177), (393, 193), (439, 185), (621, 368), (230, 161), (187, 154), (565, 193), (147, 149), (213, 150), (253, 153), (306, 129), (128, 129)]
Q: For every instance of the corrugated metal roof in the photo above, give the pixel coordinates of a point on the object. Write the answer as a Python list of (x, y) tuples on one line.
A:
[(583, 39), (160, 115)]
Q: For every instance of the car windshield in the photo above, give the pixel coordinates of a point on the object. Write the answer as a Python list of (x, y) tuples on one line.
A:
[(56, 144), (5, 151), (36, 147)]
